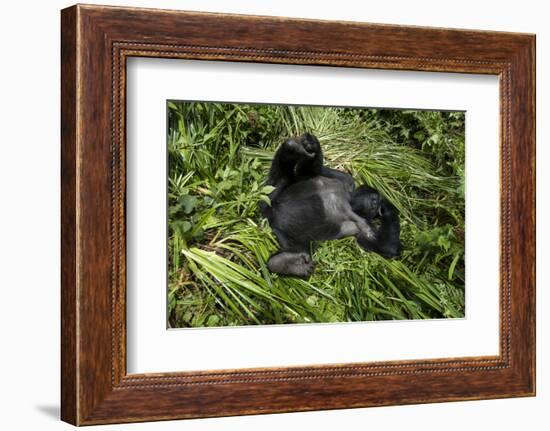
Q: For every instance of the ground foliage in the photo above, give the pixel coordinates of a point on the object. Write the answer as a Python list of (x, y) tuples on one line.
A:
[(219, 156)]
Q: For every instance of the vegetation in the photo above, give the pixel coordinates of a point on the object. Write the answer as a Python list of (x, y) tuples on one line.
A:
[(219, 156)]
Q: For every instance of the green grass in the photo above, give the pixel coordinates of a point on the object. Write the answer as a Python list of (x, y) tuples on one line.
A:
[(219, 156)]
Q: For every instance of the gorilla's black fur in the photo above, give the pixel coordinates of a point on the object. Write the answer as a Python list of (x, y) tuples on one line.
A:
[(312, 202)]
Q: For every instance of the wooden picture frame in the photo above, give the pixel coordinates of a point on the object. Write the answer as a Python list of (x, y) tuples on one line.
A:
[(95, 43)]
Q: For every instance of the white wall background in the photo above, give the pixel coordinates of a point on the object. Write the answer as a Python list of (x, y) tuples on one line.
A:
[(29, 221)]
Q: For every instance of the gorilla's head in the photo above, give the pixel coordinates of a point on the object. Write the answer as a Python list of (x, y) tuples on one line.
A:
[(366, 202)]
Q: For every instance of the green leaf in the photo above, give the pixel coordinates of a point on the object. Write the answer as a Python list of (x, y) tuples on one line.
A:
[(419, 136), (185, 226), (453, 266), (312, 300), (225, 185), (265, 199), (213, 320), (188, 203), (444, 243)]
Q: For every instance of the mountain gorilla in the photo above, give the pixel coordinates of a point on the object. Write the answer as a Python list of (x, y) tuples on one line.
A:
[(312, 202)]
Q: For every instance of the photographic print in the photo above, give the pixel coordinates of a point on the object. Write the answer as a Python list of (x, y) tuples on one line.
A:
[(281, 214), (299, 232)]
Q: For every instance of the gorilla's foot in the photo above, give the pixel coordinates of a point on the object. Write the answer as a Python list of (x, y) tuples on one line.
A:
[(295, 264)]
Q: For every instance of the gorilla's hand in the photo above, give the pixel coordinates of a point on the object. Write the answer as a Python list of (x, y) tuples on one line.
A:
[(365, 202), (387, 210), (389, 232)]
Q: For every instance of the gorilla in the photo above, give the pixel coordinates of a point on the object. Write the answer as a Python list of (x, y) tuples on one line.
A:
[(312, 202)]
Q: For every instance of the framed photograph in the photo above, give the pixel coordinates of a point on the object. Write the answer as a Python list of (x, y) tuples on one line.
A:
[(264, 214)]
